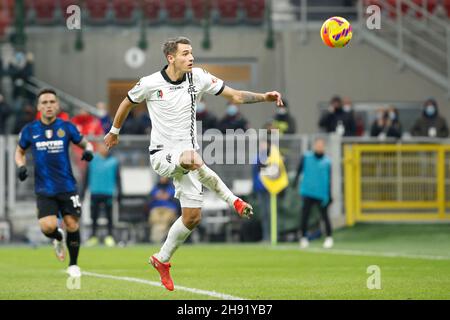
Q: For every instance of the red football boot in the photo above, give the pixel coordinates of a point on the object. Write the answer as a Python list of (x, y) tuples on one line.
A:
[(243, 208), (163, 269)]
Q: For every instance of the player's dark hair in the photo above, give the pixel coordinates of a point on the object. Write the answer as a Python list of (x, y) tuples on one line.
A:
[(171, 45), (46, 90)]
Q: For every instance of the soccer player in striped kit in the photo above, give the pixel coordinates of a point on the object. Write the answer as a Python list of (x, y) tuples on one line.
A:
[(171, 96)]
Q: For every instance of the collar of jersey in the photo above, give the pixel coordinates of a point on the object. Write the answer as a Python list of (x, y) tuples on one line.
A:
[(48, 125), (166, 77)]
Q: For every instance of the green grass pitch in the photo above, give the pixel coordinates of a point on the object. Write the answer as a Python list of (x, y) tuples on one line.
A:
[(414, 261)]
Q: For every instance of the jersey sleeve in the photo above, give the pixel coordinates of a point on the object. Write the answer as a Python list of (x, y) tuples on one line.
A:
[(139, 92), (210, 84), (74, 135), (24, 138)]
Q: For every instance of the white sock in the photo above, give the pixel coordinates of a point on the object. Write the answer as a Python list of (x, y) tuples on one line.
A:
[(178, 233), (211, 180)]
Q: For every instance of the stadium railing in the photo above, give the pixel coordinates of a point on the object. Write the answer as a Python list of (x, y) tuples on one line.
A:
[(397, 182)]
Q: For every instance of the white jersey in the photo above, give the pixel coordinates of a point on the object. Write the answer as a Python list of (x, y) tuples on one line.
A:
[(172, 105)]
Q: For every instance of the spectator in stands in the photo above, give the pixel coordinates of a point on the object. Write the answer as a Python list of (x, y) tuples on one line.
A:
[(283, 121), (387, 124), (103, 181), (315, 189), (138, 122), (144, 121), (233, 119), (26, 116), (162, 209), (336, 119), (262, 195), (347, 105), (5, 112), (87, 124), (430, 124), (208, 119), (104, 117), (20, 70)]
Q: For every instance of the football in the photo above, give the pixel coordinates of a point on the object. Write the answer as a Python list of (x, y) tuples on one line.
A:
[(336, 32)]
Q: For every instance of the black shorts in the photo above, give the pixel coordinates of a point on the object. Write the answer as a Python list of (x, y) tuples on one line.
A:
[(65, 203)]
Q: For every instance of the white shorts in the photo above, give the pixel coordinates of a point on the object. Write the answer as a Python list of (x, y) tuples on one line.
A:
[(187, 187)]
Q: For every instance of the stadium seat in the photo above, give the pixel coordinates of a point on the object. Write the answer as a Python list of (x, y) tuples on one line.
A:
[(151, 9), (228, 11), (176, 10), (124, 11), (373, 2), (97, 11), (64, 4), (5, 21), (393, 8), (446, 4), (9, 7), (44, 11), (198, 9), (431, 6), (254, 11)]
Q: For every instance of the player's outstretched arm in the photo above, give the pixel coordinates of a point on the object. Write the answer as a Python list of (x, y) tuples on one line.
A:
[(241, 97), (112, 138)]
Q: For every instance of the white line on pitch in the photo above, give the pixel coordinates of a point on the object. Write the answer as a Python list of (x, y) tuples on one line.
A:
[(158, 284), (366, 253)]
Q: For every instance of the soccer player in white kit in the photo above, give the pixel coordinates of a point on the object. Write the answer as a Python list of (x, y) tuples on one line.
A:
[(171, 96)]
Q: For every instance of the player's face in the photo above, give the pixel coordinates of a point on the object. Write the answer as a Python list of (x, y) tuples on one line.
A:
[(184, 60), (319, 146), (48, 105)]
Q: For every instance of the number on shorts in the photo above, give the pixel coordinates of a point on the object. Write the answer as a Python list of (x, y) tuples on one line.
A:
[(76, 201)]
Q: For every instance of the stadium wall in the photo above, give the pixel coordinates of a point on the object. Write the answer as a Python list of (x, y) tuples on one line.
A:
[(306, 73)]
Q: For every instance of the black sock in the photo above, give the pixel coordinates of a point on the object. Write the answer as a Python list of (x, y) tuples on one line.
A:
[(54, 235), (73, 244)]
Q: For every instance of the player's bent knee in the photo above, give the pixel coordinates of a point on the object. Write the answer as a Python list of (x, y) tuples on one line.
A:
[(48, 229), (191, 223), (192, 220), (71, 224), (48, 226)]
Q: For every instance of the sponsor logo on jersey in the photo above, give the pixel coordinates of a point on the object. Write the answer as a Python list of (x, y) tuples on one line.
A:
[(175, 88), (169, 158), (52, 146), (159, 94), (60, 133), (49, 133)]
